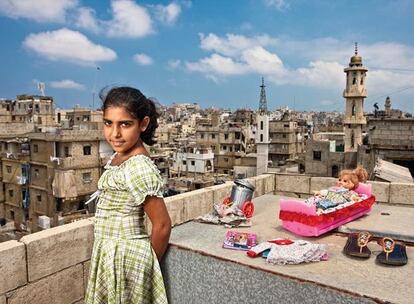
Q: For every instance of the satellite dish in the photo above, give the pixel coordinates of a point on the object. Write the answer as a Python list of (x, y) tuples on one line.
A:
[(41, 87)]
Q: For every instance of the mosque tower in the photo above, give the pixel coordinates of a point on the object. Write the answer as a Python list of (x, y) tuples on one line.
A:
[(262, 134), (354, 94)]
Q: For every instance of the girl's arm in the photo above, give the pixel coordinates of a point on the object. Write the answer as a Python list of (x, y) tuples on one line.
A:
[(155, 208)]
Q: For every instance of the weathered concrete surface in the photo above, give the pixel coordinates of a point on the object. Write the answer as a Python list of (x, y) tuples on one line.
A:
[(381, 191), (64, 287), (12, 266), (292, 183), (264, 183), (3, 299), (86, 267), (52, 250), (221, 191), (402, 193), (396, 222), (340, 274), (318, 183)]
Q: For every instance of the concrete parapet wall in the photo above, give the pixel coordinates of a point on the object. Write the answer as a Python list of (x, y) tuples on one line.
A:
[(51, 250), (52, 266), (12, 266)]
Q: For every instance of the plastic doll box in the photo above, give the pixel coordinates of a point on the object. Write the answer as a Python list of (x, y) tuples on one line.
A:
[(239, 240), (301, 218)]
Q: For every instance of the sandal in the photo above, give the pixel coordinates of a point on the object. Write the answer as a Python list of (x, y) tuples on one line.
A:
[(356, 245), (393, 253)]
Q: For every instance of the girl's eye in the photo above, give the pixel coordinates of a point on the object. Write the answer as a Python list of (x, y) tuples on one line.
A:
[(107, 123), (125, 124)]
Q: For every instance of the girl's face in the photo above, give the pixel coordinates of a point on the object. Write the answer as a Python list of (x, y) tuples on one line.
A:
[(122, 130), (345, 181)]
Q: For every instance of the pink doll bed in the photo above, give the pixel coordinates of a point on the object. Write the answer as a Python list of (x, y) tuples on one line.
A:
[(301, 218)]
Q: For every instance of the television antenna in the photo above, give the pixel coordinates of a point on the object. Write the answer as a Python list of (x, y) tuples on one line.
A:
[(41, 87)]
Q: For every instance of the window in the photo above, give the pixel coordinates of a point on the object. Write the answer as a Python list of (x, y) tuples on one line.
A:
[(86, 150), (13, 117), (11, 193), (36, 172), (35, 148), (317, 155), (354, 80), (66, 151), (37, 108), (39, 197), (202, 135), (353, 109), (226, 159), (213, 136), (362, 81), (284, 135), (261, 137), (8, 169), (286, 125), (261, 125), (226, 136), (184, 162), (87, 177), (192, 163)]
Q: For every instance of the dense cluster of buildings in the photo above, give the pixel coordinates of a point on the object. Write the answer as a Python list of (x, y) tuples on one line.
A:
[(51, 159)]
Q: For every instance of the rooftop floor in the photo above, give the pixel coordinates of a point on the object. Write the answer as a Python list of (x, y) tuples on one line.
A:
[(361, 278)]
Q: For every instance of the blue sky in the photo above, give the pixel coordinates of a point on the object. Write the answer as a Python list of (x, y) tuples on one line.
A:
[(213, 52)]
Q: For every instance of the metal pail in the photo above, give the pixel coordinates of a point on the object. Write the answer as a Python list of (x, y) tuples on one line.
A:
[(241, 192)]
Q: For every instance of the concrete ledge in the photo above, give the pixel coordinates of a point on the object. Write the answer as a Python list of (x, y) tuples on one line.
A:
[(292, 183), (381, 191), (86, 267), (265, 183), (318, 183), (12, 266), (402, 193), (221, 191), (204, 279), (54, 249), (175, 209), (196, 203), (64, 287)]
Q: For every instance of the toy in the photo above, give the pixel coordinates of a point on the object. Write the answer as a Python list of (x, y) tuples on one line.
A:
[(241, 195), (302, 219), (239, 240)]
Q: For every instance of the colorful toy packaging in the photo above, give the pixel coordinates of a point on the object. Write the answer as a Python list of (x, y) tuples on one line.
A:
[(239, 240)]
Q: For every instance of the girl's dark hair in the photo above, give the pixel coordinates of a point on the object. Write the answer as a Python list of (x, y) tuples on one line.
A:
[(136, 104)]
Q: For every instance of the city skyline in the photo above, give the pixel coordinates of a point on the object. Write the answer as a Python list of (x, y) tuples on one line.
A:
[(213, 53)]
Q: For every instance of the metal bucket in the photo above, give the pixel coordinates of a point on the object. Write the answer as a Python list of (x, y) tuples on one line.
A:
[(241, 192)]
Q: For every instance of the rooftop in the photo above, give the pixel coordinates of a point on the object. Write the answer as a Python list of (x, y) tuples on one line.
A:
[(54, 263)]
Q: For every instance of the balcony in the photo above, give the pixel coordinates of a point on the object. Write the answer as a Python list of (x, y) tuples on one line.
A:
[(52, 265)]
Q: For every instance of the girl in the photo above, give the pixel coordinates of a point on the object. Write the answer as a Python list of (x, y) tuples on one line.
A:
[(344, 191), (124, 262)]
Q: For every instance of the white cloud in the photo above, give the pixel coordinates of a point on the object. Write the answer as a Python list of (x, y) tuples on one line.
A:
[(143, 59), (232, 44), (68, 45), (129, 20), (174, 63), (315, 63), (262, 61), (280, 5), (87, 19), (38, 10), (217, 65), (66, 84), (169, 13)]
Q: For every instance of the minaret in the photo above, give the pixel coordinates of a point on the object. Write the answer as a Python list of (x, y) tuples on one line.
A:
[(387, 106), (354, 95), (262, 134)]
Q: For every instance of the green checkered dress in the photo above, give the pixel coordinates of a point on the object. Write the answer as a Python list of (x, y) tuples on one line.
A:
[(124, 267)]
